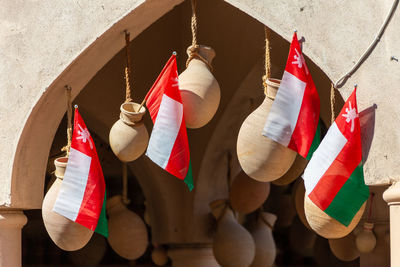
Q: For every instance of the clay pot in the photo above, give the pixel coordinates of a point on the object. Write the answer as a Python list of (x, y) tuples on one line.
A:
[(366, 240), (91, 254), (200, 90), (301, 239), (326, 226), (247, 194), (344, 248), (294, 171), (262, 158), (299, 192), (285, 210), (127, 232), (233, 245), (265, 244), (159, 256), (66, 234), (128, 136)]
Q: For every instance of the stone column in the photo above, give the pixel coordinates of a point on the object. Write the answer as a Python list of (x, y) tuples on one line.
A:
[(193, 256), (11, 223), (392, 197)]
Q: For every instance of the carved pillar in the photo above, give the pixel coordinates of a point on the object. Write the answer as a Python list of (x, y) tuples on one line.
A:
[(193, 256), (392, 197), (11, 223)]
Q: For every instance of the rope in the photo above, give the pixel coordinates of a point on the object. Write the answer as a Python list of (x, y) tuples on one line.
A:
[(371, 47), (69, 121), (127, 68), (372, 194), (267, 62), (332, 104), (193, 50), (125, 198)]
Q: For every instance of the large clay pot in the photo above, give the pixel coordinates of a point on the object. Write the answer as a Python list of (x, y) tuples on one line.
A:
[(91, 254), (326, 226), (265, 244), (200, 90), (294, 171), (247, 194), (366, 240), (128, 136), (344, 248), (299, 193), (66, 234), (262, 158), (127, 231), (159, 256), (301, 239), (233, 245)]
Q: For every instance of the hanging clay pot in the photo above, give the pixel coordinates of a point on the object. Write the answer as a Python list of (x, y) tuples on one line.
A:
[(200, 90), (366, 240), (294, 171), (262, 158), (265, 244), (159, 256), (301, 239), (91, 254), (246, 194), (66, 234), (326, 226), (127, 231), (128, 136), (233, 245), (298, 198), (344, 248)]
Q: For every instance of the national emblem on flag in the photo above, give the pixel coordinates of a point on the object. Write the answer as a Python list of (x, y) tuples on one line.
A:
[(334, 178), (293, 120), (168, 145), (82, 196)]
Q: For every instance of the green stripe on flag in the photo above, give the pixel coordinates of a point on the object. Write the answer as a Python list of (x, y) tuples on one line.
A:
[(350, 198), (189, 177), (316, 141), (102, 224)]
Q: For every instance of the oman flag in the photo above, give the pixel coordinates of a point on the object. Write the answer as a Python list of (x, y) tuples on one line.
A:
[(82, 196), (168, 144), (293, 120), (334, 178)]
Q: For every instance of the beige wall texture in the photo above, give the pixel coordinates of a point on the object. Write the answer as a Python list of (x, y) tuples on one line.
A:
[(45, 45)]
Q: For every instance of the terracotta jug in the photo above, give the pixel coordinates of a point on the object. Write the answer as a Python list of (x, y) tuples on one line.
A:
[(265, 244), (91, 254), (233, 245), (66, 234), (262, 158), (299, 192), (344, 248), (366, 240), (326, 226), (246, 194), (128, 136), (294, 171), (301, 239), (159, 256), (127, 231), (200, 90)]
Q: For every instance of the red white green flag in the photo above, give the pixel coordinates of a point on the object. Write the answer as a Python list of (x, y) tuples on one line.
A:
[(334, 178), (293, 120), (82, 196), (168, 145)]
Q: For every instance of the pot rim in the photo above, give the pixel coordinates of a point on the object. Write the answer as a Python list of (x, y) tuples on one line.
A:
[(135, 105), (61, 161)]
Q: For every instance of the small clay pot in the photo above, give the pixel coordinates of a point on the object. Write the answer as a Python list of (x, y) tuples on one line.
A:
[(294, 172), (260, 157), (159, 256), (344, 248), (128, 136), (366, 240), (299, 193), (91, 254), (66, 234)]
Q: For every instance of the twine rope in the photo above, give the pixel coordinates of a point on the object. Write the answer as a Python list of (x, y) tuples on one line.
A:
[(125, 198), (372, 194), (193, 50), (332, 103), (67, 148), (127, 68), (267, 62)]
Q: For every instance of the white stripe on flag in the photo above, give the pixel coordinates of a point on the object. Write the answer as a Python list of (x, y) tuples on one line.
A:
[(282, 117), (323, 157), (165, 131), (73, 186)]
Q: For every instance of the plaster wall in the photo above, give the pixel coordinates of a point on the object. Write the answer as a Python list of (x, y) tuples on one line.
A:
[(45, 45)]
